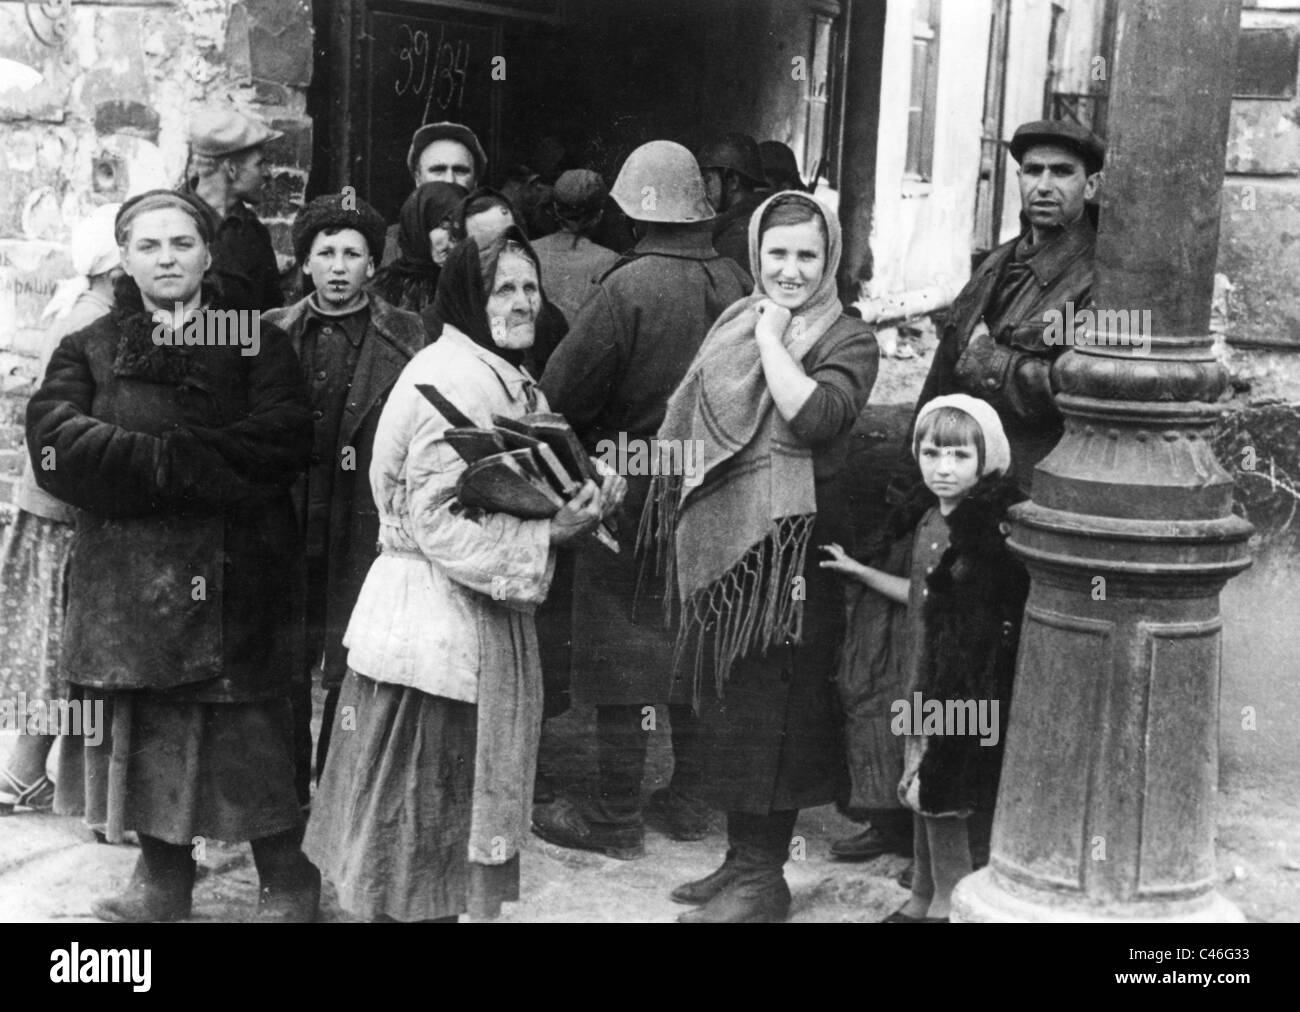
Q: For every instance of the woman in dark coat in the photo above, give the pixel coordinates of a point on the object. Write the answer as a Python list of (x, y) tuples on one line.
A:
[(426, 235), (184, 602), (772, 396)]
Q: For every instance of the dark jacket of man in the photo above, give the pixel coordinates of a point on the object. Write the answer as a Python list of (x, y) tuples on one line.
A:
[(628, 349), (1012, 291), (243, 258), (731, 232), (187, 567), (391, 339)]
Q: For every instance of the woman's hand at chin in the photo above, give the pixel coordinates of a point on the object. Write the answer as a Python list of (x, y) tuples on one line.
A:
[(772, 321)]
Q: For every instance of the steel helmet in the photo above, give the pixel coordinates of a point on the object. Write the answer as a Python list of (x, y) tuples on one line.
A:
[(661, 181), (738, 152)]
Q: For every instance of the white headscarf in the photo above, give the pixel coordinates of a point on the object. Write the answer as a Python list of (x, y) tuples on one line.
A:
[(997, 451), (94, 252)]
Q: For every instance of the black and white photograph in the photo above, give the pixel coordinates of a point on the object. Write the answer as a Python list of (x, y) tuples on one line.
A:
[(651, 461)]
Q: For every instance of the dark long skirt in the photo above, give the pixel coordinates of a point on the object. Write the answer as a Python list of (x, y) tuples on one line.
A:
[(182, 771), (774, 742), (390, 823)]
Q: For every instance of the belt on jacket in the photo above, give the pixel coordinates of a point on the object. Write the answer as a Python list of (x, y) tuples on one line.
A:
[(403, 553)]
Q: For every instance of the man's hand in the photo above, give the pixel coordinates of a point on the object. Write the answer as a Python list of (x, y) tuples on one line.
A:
[(579, 516)]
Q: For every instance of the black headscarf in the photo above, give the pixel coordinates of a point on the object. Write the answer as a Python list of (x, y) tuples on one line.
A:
[(463, 289), (428, 206)]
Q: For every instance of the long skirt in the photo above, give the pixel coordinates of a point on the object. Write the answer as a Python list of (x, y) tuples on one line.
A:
[(33, 570), (390, 822), (180, 771), (774, 741)]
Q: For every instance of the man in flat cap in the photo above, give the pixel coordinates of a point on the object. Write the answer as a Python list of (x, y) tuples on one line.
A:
[(994, 346), (443, 152), (351, 346), (571, 262), (227, 171)]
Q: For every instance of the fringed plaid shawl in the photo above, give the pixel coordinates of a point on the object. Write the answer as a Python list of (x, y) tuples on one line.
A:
[(731, 545)]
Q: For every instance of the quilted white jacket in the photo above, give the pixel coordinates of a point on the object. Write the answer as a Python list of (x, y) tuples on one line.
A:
[(443, 582)]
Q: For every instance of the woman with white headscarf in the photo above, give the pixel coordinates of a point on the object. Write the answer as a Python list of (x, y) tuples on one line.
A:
[(34, 546)]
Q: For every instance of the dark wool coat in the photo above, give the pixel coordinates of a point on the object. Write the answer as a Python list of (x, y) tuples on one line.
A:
[(186, 570), (630, 346), (392, 339), (972, 616)]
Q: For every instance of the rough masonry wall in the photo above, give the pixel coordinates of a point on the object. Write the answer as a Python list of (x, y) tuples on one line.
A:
[(95, 104)]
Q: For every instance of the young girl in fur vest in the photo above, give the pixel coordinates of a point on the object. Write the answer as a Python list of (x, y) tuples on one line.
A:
[(965, 598)]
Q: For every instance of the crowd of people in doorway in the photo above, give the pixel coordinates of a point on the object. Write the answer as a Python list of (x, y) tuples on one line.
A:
[(203, 536)]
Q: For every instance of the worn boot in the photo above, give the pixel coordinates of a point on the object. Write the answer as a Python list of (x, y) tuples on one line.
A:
[(290, 884), (160, 888), (566, 823), (704, 889), (757, 892)]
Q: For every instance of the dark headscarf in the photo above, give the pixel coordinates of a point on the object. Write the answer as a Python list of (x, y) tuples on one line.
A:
[(461, 301), (424, 210)]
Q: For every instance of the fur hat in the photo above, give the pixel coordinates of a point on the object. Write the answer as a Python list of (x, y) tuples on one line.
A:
[(997, 451), (329, 212)]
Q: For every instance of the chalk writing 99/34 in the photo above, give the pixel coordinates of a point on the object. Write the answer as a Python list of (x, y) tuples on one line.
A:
[(446, 79)]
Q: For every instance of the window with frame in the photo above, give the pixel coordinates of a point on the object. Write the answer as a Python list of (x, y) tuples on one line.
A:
[(925, 79)]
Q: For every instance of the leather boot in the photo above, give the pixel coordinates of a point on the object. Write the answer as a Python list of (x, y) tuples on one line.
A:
[(753, 896), (290, 884), (566, 823), (160, 888), (704, 889)]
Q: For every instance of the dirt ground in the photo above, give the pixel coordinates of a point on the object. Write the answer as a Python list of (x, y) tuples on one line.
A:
[(51, 868)]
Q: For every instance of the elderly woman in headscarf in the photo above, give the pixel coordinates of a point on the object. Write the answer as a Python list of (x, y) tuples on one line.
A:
[(426, 800), (426, 236), (483, 216), (184, 590), (771, 396), (34, 547)]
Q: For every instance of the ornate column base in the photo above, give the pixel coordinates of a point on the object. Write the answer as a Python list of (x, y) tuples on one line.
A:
[(988, 898)]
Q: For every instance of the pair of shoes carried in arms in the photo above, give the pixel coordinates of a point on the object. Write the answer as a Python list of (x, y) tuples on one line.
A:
[(567, 823), (38, 796)]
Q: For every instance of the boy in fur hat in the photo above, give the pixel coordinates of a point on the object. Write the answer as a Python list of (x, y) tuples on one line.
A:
[(351, 346), (965, 597)]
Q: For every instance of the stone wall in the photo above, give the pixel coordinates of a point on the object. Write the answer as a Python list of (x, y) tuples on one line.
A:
[(95, 105)]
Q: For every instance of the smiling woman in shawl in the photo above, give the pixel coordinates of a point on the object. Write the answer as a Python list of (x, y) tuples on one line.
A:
[(426, 235), (427, 792), (772, 396)]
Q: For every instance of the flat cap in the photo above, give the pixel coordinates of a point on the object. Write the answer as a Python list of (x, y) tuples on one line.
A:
[(1062, 134), (579, 192), (335, 211), (448, 131), (217, 131)]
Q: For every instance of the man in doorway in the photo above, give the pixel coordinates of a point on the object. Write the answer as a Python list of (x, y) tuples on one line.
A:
[(443, 152)]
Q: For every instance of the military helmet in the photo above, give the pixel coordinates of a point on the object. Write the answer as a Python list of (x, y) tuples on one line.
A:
[(661, 181), (738, 152)]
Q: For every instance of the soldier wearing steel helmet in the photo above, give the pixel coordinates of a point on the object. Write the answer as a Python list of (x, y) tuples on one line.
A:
[(628, 348), (735, 185)]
